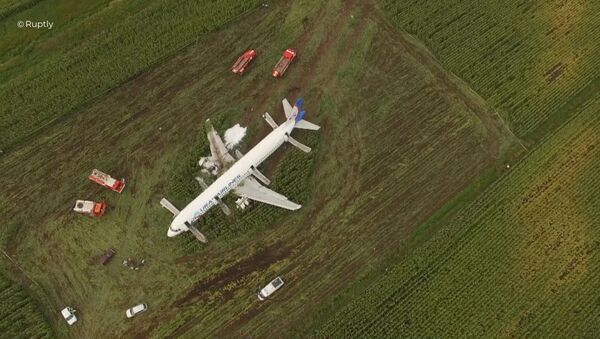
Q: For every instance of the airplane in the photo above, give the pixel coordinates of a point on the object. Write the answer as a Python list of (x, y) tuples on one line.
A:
[(241, 176)]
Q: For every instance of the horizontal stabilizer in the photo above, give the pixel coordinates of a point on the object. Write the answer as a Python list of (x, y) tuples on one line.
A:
[(260, 176), (270, 120), (296, 143), (167, 204), (287, 108), (303, 124), (197, 234)]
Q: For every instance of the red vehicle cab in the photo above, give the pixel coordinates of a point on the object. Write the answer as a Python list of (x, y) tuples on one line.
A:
[(284, 62), (243, 61)]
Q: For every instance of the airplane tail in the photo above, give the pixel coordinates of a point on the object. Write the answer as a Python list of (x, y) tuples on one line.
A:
[(298, 115), (303, 124)]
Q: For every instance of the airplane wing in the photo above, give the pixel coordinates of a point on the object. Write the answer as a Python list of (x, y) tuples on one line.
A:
[(251, 189), (217, 147), (287, 108)]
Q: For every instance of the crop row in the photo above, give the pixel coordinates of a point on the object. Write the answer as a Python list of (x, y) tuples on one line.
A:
[(503, 259), (526, 60), (20, 317), (64, 81)]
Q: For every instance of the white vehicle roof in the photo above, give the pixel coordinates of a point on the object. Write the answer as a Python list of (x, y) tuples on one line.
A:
[(271, 287), (138, 308), (107, 179), (83, 206), (135, 310), (68, 315)]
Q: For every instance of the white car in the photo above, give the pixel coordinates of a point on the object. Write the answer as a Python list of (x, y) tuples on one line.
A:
[(135, 310), (270, 288), (69, 314)]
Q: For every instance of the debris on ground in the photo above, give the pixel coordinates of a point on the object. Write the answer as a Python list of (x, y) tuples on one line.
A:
[(105, 258), (133, 264)]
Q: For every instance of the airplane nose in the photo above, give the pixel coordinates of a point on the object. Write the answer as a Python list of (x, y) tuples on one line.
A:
[(175, 229), (171, 233)]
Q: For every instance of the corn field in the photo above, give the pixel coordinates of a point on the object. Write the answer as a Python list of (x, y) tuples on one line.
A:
[(65, 81), (522, 260), (19, 316), (527, 58)]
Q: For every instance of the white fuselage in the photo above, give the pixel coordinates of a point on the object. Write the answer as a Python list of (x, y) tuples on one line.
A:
[(230, 179)]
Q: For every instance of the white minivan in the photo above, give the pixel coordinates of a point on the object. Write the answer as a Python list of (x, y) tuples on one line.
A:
[(270, 288), (135, 310)]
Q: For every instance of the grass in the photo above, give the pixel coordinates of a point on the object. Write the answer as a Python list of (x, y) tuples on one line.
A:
[(36, 93), (525, 58), (519, 261)]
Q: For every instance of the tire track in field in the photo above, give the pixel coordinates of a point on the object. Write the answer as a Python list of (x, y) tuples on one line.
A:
[(326, 76), (477, 109), (453, 84)]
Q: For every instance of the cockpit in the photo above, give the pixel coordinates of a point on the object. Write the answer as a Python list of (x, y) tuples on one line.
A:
[(174, 231)]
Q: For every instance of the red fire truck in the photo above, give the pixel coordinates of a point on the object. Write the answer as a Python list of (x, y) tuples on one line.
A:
[(107, 181), (243, 61), (283, 63), (92, 208)]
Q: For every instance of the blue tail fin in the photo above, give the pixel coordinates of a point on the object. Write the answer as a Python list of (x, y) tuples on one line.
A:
[(300, 122), (299, 104)]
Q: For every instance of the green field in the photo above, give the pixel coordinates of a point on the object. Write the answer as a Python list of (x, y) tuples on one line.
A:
[(462, 282), (20, 317), (520, 261), (95, 46), (402, 175), (526, 58)]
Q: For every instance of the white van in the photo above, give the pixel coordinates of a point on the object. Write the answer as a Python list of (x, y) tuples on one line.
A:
[(69, 314), (270, 288)]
